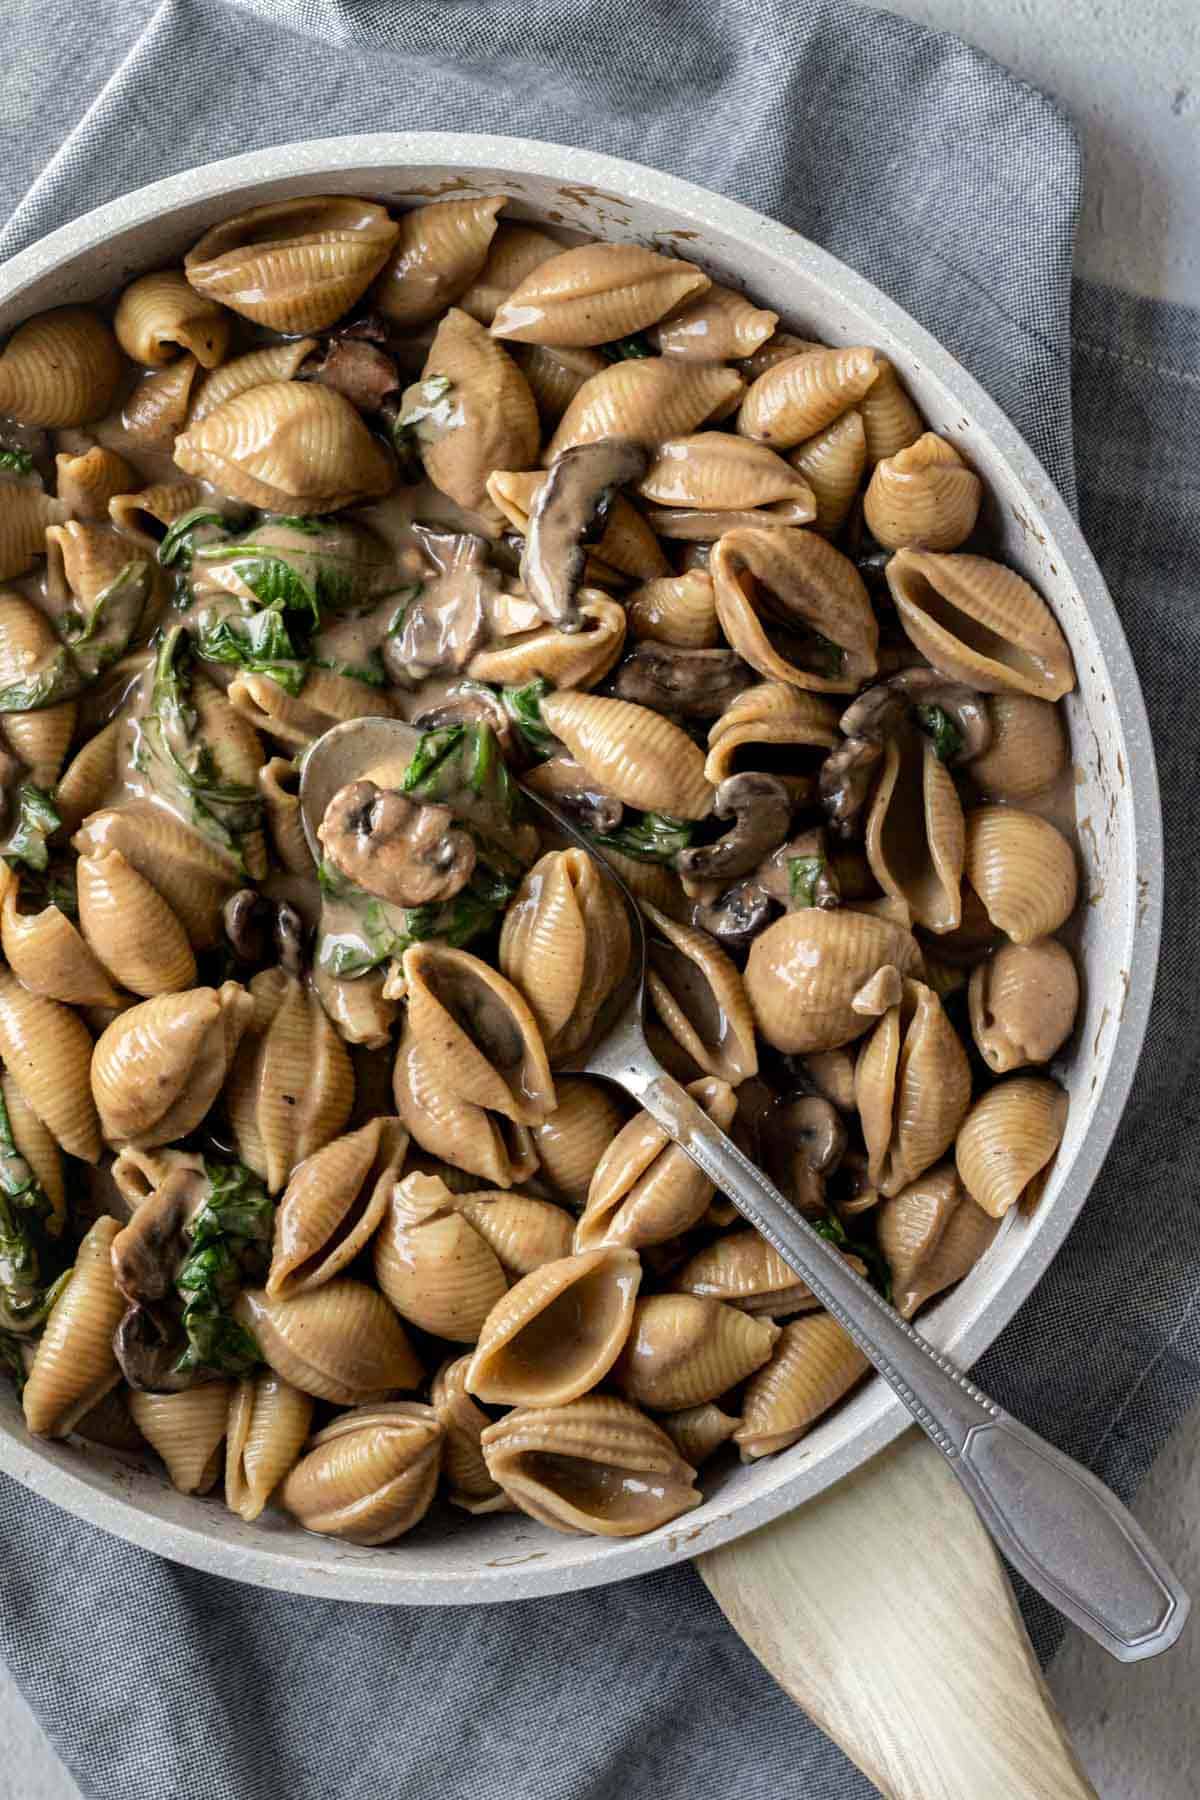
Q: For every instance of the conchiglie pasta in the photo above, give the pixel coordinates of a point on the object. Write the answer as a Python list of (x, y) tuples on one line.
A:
[(915, 836), (47, 954), (571, 1140), (456, 1130), (720, 326), (798, 397), (193, 876), (638, 755), (187, 1430), (924, 496), (832, 462), (162, 314), (75, 1365), (564, 943), (715, 470), (157, 1069), (980, 623), (370, 1475), (683, 1350), (295, 265), (807, 971), (645, 1189), (87, 480), (676, 609), (697, 993), (469, 1483), (1007, 1140), (912, 1086), (23, 520), (439, 251), (286, 446), (274, 362), (291, 1085), (487, 420), (576, 659), (340, 1342), (1028, 749), (47, 1049), (814, 1365), (596, 293), (558, 1331), (60, 368), (333, 1203), (795, 609), (647, 400), (515, 251), (269, 1421), (131, 929), (326, 699), (1023, 870), (890, 419)]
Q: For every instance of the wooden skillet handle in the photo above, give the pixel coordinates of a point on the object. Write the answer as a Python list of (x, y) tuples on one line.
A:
[(883, 1609)]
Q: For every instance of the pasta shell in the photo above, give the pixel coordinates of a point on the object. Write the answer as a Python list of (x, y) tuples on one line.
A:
[(1022, 1004), (439, 251), (793, 587), (514, 252), (1023, 870), (523, 1232), (697, 1432), (26, 637), (158, 406), (340, 1342), (637, 755), (75, 1365), (462, 1134), (287, 446), (370, 1476), (698, 525), (47, 1049), (59, 368), (714, 469), (161, 314), (720, 326), (157, 1069), (556, 1332), (326, 699), (596, 1465), (130, 928), (832, 462), (38, 1145), (912, 1083), (806, 970), (676, 609), (697, 993), (890, 419), (82, 560), (564, 944), (772, 727), (1008, 1139), (799, 396), (138, 1174), (332, 1205), (291, 1086), (47, 954), (571, 1140), (269, 1421), (359, 1009), (924, 496), (1028, 751), (575, 659), (274, 362), (279, 787), (293, 265), (489, 420), (682, 1350), (743, 1270), (646, 1189), (596, 293), (434, 1267), (647, 399), (194, 877), (474, 1023), (813, 1366), (467, 1478), (626, 545), (932, 1234), (915, 835), (144, 514), (23, 520), (187, 1430), (87, 480), (980, 623), (555, 375)]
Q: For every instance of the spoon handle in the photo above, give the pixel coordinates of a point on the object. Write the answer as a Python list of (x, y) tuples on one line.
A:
[(1056, 1523)]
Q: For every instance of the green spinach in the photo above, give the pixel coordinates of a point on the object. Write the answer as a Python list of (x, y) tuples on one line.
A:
[(804, 872), (177, 547), (229, 1244), (936, 722), (654, 837), (19, 461), (93, 639), (37, 818)]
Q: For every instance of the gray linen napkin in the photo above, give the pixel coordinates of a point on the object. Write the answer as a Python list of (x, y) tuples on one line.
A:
[(954, 187)]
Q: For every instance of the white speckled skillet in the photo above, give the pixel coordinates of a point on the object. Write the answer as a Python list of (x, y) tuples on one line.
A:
[(507, 1557)]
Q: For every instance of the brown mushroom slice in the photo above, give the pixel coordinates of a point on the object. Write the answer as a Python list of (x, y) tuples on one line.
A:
[(980, 623), (293, 265), (721, 325), (1008, 1139), (476, 1024), (291, 1087), (486, 1144), (571, 1140), (438, 1272), (773, 728), (370, 1475), (813, 1366), (564, 943), (1023, 1002), (439, 251), (645, 1188), (468, 1480), (686, 684), (269, 1421), (1028, 749), (682, 1350), (932, 1234), (578, 489), (915, 835), (594, 1466), (558, 1331), (795, 608), (760, 807), (633, 753), (596, 293), (75, 1364), (802, 1144), (741, 1269), (697, 992), (147, 1252), (1023, 870), (626, 548), (158, 1068), (332, 1205), (913, 1087), (716, 471), (924, 496), (649, 399), (807, 969), (832, 461), (340, 1342), (395, 847), (799, 396)]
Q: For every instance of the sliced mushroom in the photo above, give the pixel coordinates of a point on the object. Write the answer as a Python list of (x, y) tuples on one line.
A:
[(467, 703), (736, 917), (571, 503), (875, 714), (845, 782), (148, 1343), (761, 809), (146, 1252), (397, 848), (247, 917), (360, 370), (804, 1140), (687, 684)]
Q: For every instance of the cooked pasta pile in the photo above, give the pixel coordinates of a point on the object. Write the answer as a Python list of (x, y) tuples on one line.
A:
[(295, 1180)]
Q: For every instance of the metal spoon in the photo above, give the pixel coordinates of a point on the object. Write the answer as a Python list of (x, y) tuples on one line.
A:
[(1067, 1534)]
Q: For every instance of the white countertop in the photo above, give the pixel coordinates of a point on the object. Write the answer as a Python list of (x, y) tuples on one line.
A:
[(1128, 72)]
